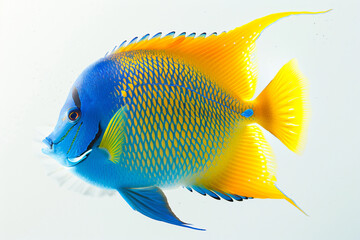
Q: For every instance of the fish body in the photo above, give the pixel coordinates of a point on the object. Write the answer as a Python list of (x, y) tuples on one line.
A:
[(179, 111), (178, 121)]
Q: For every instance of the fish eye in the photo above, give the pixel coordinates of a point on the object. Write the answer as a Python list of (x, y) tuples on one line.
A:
[(74, 114)]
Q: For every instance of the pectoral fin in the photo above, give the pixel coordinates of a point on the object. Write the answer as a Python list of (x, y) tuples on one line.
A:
[(152, 202), (113, 138)]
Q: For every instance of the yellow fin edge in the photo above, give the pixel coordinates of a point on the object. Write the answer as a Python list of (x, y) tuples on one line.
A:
[(291, 201)]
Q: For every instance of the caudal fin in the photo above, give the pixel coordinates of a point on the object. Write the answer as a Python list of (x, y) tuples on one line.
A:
[(282, 107)]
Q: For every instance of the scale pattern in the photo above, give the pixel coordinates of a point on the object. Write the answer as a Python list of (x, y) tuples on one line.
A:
[(178, 122)]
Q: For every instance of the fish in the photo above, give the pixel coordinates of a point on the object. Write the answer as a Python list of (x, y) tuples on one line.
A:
[(172, 111)]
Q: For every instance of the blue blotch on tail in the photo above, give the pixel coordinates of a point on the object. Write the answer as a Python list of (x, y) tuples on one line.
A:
[(247, 113)]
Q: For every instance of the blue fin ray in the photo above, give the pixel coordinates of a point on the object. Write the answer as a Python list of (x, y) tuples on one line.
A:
[(157, 35), (211, 194), (170, 34), (237, 197), (199, 190), (133, 40), (145, 37), (224, 196), (123, 44), (216, 194), (203, 35), (182, 34)]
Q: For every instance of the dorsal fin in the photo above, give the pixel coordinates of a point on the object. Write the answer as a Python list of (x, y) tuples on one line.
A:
[(227, 58)]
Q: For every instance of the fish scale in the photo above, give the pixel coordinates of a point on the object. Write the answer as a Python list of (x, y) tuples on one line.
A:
[(188, 119)]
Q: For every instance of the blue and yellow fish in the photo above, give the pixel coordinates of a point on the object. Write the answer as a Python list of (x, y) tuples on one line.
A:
[(178, 111)]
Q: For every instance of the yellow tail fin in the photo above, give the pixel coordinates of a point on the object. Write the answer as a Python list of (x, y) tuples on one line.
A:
[(281, 107)]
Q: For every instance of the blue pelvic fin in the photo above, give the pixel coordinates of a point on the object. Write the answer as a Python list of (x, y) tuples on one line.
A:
[(216, 194), (151, 202)]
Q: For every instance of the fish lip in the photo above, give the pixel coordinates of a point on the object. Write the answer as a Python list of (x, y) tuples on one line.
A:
[(47, 151), (75, 161), (48, 142)]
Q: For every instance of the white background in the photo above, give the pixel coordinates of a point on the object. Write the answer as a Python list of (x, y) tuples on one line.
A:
[(44, 46)]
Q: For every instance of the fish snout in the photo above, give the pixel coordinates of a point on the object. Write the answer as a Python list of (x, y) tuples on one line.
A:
[(48, 142), (49, 145)]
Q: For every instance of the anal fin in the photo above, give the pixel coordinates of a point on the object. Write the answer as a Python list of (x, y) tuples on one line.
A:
[(246, 169)]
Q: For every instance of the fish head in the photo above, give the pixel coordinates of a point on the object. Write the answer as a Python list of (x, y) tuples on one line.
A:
[(77, 130)]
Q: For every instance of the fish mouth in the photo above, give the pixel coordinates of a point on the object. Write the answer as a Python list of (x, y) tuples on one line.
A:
[(76, 160), (71, 162)]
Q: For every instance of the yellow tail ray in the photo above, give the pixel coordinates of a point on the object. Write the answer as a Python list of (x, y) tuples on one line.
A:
[(282, 107)]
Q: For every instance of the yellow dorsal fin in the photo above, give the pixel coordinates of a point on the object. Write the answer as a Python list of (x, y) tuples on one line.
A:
[(228, 58)]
